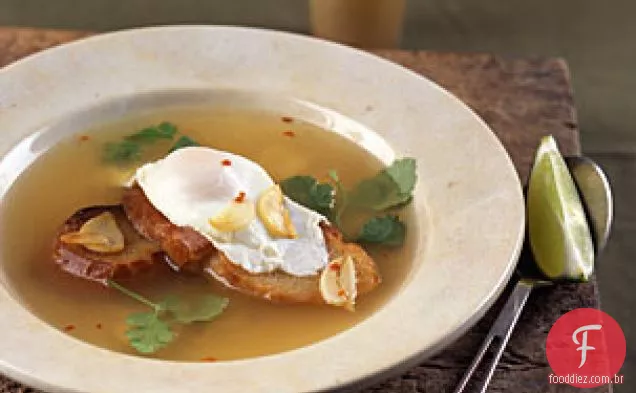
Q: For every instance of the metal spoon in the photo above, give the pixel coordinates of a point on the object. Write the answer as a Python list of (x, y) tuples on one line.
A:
[(596, 196)]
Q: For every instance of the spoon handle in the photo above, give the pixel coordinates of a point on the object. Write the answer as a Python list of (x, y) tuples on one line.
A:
[(501, 330)]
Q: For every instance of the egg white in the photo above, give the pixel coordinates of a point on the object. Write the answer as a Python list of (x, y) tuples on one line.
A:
[(192, 185)]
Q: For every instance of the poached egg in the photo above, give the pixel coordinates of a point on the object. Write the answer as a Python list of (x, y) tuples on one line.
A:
[(199, 187)]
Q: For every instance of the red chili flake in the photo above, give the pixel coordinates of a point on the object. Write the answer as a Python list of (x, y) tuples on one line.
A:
[(335, 267), (83, 138), (289, 133), (226, 162), (68, 328), (341, 292), (98, 326), (240, 198), (287, 119), (209, 359)]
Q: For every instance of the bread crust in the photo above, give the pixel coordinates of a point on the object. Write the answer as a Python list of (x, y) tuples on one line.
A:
[(139, 253), (280, 287), (183, 245)]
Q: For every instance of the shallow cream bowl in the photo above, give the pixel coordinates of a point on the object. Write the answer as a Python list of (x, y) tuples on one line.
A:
[(468, 203)]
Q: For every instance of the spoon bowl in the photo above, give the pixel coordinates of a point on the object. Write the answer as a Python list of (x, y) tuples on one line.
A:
[(596, 194)]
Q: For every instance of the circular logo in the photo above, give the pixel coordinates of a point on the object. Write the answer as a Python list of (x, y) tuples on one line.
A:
[(585, 348)]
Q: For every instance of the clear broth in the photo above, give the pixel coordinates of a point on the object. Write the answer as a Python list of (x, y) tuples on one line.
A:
[(72, 175)]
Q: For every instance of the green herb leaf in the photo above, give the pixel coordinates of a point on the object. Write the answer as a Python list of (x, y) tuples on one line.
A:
[(391, 187), (388, 230), (207, 309), (377, 193), (124, 151), (322, 196), (184, 141), (129, 149), (147, 333), (308, 192), (402, 171), (164, 130)]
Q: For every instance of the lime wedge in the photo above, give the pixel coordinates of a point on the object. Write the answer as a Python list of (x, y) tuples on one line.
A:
[(560, 237)]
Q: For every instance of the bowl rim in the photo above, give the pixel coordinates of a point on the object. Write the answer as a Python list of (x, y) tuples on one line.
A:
[(17, 368)]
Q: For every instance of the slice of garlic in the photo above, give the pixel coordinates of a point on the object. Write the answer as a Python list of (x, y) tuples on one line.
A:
[(330, 283), (236, 216), (348, 282), (99, 234), (338, 283), (273, 213)]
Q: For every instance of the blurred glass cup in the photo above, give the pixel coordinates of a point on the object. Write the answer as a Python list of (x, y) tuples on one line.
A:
[(361, 23)]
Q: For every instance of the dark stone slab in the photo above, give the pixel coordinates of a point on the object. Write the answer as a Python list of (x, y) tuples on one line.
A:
[(522, 100)]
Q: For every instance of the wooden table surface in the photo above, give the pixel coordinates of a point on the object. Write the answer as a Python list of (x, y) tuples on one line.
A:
[(521, 99)]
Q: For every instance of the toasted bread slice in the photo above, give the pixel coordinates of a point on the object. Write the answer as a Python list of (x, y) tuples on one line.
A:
[(184, 245), (281, 287), (138, 253), (181, 244)]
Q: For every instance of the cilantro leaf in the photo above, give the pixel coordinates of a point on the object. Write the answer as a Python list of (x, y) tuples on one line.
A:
[(147, 333), (167, 129), (164, 130), (129, 149), (322, 196), (377, 193), (402, 171), (387, 230), (308, 192), (207, 309), (184, 141), (121, 151), (391, 187)]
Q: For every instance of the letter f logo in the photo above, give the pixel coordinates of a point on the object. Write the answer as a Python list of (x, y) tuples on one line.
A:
[(584, 347)]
